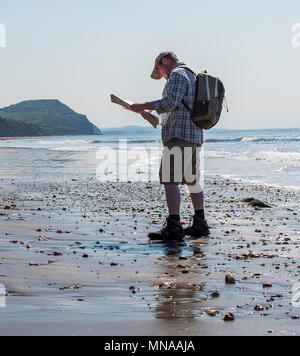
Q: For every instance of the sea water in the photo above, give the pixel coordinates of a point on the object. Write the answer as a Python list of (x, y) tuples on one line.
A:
[(269, 157)]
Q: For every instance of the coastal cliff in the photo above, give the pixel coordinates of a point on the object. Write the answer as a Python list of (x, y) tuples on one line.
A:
[(44, 118)]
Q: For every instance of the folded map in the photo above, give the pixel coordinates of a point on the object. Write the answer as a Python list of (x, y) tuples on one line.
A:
[(153, 120)]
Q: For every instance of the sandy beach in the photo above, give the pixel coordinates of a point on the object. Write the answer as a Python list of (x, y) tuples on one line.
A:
[(75, 260), (96, 101)]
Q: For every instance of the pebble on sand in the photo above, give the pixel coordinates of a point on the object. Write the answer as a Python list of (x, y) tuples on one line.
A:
[(267, 285), (33, 264), (259, 204), (229, 317), (43, 238), (215, 294), (212, 312), (256, 203), (229, 279), (57, 253)]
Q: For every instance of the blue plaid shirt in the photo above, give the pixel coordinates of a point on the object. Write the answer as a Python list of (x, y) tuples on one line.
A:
[(176, 121)]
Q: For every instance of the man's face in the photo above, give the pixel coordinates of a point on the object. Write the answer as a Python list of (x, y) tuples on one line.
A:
[(165, 67)]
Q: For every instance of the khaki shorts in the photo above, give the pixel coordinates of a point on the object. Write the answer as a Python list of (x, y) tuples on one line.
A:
[(180, 163)]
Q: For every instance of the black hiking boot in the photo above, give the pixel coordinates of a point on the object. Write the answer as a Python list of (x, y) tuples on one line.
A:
[(198, 229), (172, 231)]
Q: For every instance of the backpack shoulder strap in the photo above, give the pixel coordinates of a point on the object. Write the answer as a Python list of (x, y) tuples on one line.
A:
[(186, 67), (183, 102)]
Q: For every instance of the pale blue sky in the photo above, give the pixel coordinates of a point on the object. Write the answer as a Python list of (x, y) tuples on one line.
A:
[(81, 51)]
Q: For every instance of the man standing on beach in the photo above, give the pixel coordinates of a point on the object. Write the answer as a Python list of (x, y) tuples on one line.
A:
[(179, 134)]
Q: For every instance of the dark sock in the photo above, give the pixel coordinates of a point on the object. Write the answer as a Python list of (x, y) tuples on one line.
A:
[(200, 214), (175, 217)]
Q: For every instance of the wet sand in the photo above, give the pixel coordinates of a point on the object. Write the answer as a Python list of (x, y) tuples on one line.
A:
[(75, 260)]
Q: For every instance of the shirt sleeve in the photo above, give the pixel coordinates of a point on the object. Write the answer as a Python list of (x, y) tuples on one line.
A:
[(176, 89)]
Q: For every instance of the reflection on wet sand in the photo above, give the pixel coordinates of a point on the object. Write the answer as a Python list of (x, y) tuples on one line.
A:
[(179, 295)]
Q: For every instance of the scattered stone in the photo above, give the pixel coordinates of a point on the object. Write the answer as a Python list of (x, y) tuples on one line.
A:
[(229, 317), (180, 266), (77, 286), (132, 289), (259, 204), (215, 294), (33, 264), (57, 253), (42, 238), (259, 307), (212, 312), (166, 285), (247, 200), (267, 285), (229, 279)]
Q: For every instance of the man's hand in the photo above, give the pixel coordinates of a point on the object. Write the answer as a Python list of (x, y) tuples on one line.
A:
[(139, 108)]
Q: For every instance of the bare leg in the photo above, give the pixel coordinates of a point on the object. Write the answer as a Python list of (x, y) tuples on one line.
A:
[(173, 198), (197, 196)]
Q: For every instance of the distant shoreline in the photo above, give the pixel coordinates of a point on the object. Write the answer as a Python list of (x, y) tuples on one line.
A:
[(30, 137), (20, 138), (127, 130)]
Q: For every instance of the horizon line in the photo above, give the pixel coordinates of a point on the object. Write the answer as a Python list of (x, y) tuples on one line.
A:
[(215, 128)]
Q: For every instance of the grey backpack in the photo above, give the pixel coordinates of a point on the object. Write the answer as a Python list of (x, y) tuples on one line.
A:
[(210, 93)]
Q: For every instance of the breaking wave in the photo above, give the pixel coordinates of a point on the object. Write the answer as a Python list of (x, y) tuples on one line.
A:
[(257, 139), (285, 158)]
